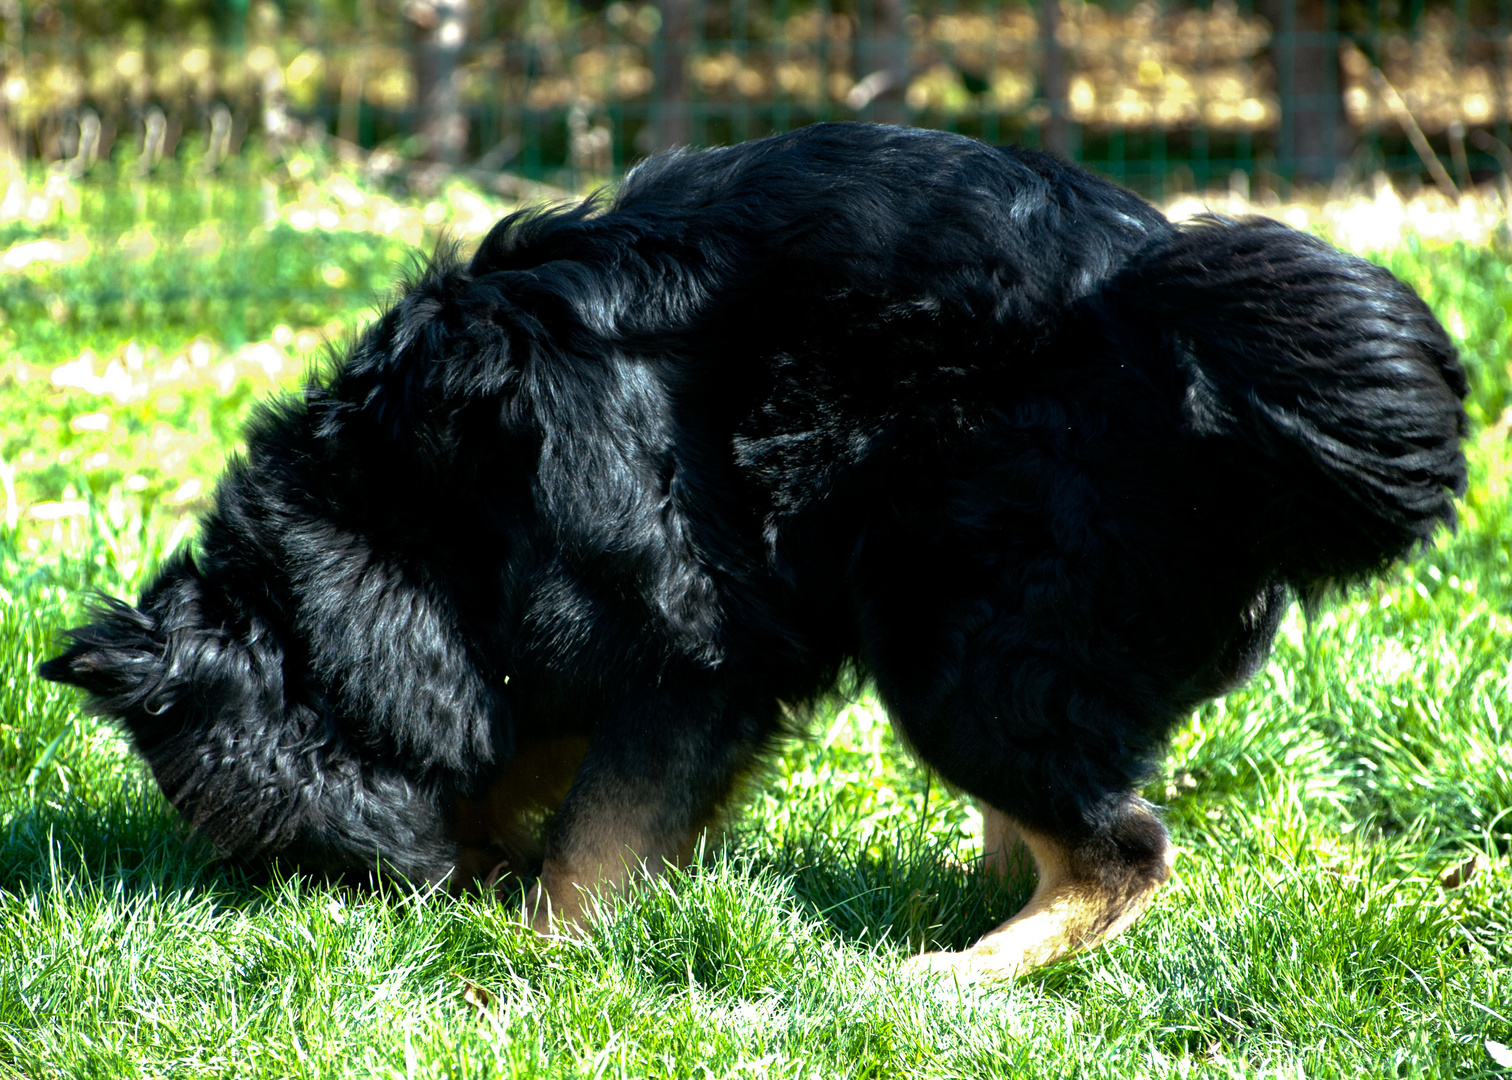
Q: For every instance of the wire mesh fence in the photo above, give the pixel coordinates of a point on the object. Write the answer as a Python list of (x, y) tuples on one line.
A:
[(1165, 97)]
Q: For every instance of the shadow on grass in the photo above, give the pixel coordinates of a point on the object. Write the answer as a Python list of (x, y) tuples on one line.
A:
[(133, 844), (919, 897), (129, 840)]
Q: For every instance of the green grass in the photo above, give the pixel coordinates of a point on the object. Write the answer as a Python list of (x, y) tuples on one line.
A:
[(1306, 933)]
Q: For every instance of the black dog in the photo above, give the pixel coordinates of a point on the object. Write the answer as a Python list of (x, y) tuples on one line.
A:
[(523, 586)]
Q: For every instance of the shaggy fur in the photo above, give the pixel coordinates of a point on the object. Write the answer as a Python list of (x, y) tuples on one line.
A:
[(1042, 465)]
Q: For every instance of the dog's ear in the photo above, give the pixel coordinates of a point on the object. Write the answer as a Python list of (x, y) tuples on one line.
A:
[(118, 659), (137, 663)]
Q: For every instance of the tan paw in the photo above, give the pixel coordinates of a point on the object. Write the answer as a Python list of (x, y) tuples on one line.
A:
[(560, 912), (971, 966)]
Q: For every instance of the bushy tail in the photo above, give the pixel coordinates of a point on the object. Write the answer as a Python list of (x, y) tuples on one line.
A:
[(1325, 380)]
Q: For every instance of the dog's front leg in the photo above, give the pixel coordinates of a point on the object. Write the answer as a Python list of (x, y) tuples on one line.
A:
[(610, 844), (654, 776), (1089, 891)]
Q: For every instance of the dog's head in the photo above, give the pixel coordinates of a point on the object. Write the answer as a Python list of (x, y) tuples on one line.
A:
[(243, 746), (188, 684)]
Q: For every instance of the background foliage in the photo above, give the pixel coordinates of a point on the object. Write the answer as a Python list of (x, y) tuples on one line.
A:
[(1166, 94)]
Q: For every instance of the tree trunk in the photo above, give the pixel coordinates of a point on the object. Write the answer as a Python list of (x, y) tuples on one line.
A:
[(440, 33), (1315, 138), (890, 52), (672, 127), (1055, 135), (11, 143)]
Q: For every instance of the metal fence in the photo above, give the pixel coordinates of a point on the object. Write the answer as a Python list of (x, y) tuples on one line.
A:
[(1164, 97)]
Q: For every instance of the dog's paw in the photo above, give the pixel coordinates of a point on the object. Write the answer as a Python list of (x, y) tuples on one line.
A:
[(969, 967), (563, 912)]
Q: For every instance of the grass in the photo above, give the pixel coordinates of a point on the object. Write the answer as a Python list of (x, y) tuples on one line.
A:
[(1308, 931)]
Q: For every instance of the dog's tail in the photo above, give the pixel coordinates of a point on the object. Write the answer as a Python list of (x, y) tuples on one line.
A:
[(1325, 381), (202, 692)]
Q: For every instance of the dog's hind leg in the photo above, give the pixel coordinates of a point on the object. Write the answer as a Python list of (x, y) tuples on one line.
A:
[(1005, 853), (1088, 891)]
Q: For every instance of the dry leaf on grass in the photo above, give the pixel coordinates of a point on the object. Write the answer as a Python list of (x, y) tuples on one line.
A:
[(1455, 876), (476, 996)]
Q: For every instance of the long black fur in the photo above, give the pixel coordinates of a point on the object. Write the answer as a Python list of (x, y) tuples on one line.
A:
[(1041, 464)]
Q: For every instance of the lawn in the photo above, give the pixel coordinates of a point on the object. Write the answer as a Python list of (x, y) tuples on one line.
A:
[(1343, 897)]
